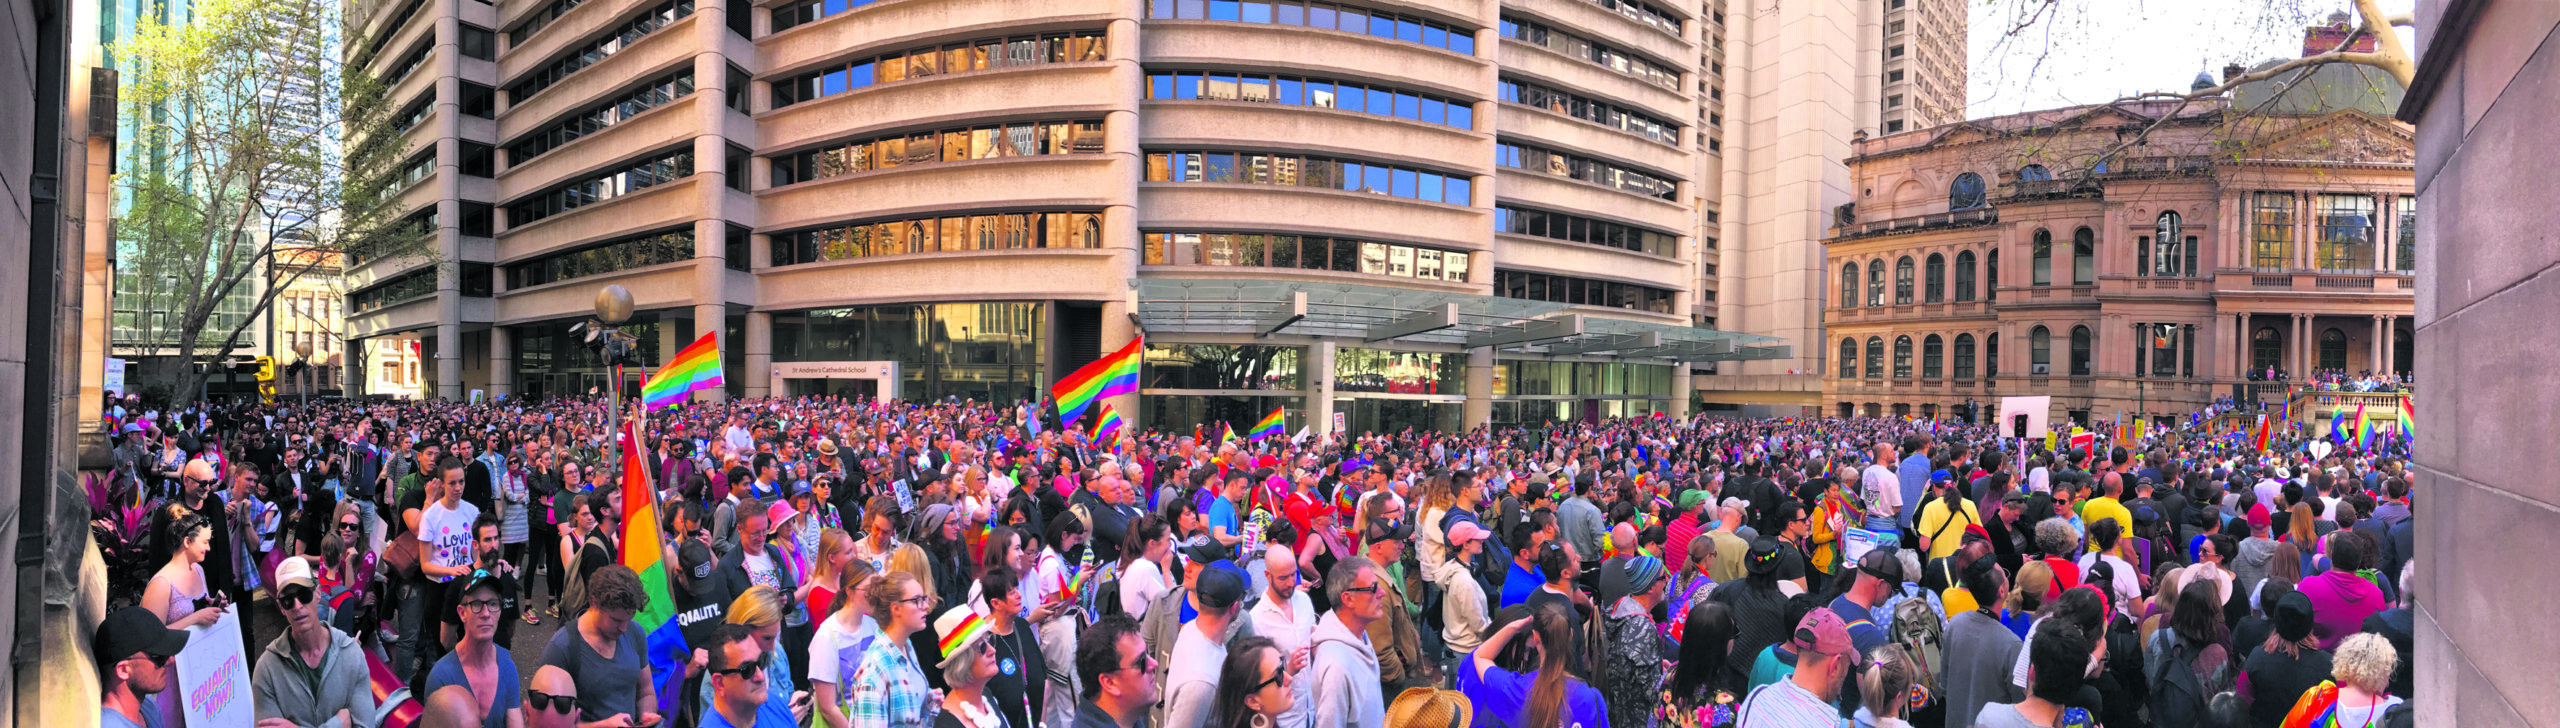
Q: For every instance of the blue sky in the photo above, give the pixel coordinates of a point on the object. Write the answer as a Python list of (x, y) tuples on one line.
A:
[(2094, 51)]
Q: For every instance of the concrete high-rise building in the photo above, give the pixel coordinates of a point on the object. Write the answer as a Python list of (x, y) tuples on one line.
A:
[(1391, 213), (1787, 88)]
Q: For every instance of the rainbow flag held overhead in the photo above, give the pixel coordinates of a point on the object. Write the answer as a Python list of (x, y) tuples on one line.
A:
[(1106, 426), (1110, 376), (2364, 429), (1270, 425), (2408, 423), (1226, 432), (2338, 425), (694, 369)]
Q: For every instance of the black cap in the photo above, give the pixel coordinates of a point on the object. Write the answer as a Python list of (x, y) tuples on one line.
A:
[(134, 630), (2292, 616), (1381, 529), (1204, 550), (1763, 557), (475, 579), (1882, 564), (697, 562), (1220, 586)]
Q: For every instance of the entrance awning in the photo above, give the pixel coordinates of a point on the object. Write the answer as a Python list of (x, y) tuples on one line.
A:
[(1369, 313)]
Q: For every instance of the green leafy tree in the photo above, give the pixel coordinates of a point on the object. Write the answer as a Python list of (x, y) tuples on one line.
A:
[(255, 154)]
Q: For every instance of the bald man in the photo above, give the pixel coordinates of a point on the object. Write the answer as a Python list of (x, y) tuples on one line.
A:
[(551, 699), (1284, 614), (451, 707)]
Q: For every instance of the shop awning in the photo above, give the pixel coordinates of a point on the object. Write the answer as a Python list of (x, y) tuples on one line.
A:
[(1384, 313)]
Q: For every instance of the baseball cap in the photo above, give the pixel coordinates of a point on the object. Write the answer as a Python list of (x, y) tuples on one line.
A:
[(1464, 531), (1689, 500), (2258, 516), (1882, 564), (1821, 632), (1204, 550), (1381, 529), (1975, 530), (1940, 476), (1220, 586), (696, 561), (295, 569), (475, 579), (134, 630)]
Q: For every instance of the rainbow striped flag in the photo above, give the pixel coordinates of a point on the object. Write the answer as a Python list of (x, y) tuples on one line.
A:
[(1110, 376), (1226, 432), (2407, 423), (641, 550), (2364, 429), (695, 369), (1107, 425), (1271, 424)]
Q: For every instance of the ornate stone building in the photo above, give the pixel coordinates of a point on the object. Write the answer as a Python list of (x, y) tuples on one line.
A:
[(2156, 255)]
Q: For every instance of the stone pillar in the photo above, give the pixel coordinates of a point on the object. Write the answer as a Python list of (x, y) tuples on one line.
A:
[(502, 362), (449, 352), (759, 372), (1316, 369), (2390, 344), (2248, 347), (1680, 387), (709, 318), (1479, 407), (2373, 348)]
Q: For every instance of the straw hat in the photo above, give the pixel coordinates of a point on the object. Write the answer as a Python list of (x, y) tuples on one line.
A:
[(1428, 708)]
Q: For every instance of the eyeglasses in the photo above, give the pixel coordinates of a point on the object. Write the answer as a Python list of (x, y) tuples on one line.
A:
[(482, 606), (293, 596), (747, 671), (919, 601), (1370, 589), (561, 704)]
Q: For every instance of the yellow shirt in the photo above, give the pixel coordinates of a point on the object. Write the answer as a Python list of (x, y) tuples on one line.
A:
[(1944, 537), (2097, 508)]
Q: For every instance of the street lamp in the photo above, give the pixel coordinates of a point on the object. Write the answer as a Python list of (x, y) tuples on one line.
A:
[(613, 308), (303, 349)]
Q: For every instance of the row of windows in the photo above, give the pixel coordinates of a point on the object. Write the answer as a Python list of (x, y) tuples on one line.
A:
[(1306, 252), (619, 255), (653, 95), (1933, 352), (637, 176), (793, 15), (2342, 230), (1594, 171), (1533, 32), (1295, 171), (1008, 231), (1658, 18), (1935, 290), (1319, 92), (913, 63), (1575, 228), (933, 147), (1583, 291), (614, 40), (541, 18), (1591, 110), (403, 287), (2084, 258), (1337, 16)]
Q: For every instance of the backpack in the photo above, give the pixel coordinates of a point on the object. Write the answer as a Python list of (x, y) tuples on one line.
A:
[(1918, 630), (573, 589), (2177, 698)]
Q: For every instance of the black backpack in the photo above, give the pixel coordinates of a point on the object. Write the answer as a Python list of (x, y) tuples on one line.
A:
[(2176, 697)]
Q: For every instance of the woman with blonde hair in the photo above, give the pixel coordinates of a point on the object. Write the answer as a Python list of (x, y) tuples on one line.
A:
[(2026, 596), (835, 552), (2363, 668), (838, 645), (1884, 688)]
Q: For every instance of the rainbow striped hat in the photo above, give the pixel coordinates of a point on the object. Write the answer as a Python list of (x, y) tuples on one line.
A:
[(961, 630)]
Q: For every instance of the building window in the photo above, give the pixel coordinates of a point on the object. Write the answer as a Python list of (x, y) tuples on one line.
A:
[(1027, 139), (1893, 102), (479, 160), (1894, 52), (1875, 282), (1316, 92), (1893, 127), (1305, 252), (1932, 351), (2040, 259), (2333, 349), (1849, 285), (613, 41), (1965, 193), (1964, 276), (2271, 224), (2084, 257), (1288, 170), (1991, 355), (2034, 173), (793, 15), (1848, 358), (1964, 356), (1586, 108), (1009, 231), (1578, 229), (1605, 174), (1893, 77), (626, 179), (479, 42), (618, 109), (1934, 279), (2080, 342), (1587, 292), (478, 100), (2345, 226), (1902, 357), (1902, 281), (2404, 256), (1335, 16), (1875, 357), (1588, 51), (2165, 259), (917, 63), (2039, 351)]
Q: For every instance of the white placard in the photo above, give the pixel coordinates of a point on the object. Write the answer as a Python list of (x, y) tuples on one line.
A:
[(2035, 408), (1856, 542), (213, 674), (115, 376)]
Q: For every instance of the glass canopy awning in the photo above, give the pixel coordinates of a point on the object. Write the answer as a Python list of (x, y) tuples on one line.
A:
[(1266, 308)]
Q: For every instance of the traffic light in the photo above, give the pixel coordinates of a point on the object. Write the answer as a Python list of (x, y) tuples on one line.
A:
[(2018, 425), (266, 369)]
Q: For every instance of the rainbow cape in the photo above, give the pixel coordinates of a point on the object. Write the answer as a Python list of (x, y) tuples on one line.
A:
[(695, 369), (1270, 425), (1106, 426), (1110, 376)]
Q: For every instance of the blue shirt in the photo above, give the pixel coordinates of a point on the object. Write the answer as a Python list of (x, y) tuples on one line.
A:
[(1914, 473), (1221, 513), (448, 671), (768, 715), (1501, 697), (1863, 632), (1522, 582), (109, 718)]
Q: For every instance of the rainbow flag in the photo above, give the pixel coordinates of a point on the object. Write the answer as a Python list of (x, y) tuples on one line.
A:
[(2407, 424), (695, 369), (1271, 424), (2364, 429), (1110, 376), (1107, 425), (1226, 432), (641, 551), (2338, 425)]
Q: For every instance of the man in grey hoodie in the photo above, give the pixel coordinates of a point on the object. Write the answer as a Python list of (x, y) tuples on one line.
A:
[(1340, 688), (312, 675), (2250, 566)]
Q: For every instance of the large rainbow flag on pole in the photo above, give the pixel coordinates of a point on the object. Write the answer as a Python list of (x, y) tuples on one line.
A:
[(695, 369), (2364, 430), (1110, 376), (1271, 424), (641, 551), (1106, 426)]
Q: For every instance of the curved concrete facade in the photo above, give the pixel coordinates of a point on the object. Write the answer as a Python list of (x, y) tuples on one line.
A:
[(790, 233)]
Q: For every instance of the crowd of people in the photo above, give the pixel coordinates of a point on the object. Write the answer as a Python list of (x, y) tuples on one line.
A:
[(839, 563)]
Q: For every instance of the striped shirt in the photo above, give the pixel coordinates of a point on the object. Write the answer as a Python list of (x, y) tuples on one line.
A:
[(1784, 704)]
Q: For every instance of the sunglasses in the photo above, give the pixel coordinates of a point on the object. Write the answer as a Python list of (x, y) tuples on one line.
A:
[(748, 671), (349, 526), (561, 704), (293, 596), (1278, 677)]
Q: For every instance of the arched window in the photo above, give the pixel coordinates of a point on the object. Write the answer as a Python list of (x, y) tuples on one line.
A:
[(1964, 276), (2084, 257), (2040, 262), (1848, 358), (1875, 357), (2033, 173), (1991, 275), (1875, 282), (1936, 280), (1964, 356), (2333, 349), (2266, 349), (1933, 350), (1991, 356), (1848, 285), (1965, 193), (1902, 281), (2165, 258), (2080, 351), (1902, 357), (2039, 351)]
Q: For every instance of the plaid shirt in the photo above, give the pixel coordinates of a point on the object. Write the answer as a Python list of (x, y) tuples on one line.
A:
[(889, 691)]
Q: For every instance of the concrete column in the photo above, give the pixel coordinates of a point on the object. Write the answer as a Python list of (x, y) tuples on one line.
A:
[(2390, 344), (449, 351), (1680, 387), (759, 354), (710, 162), (2247, 348), (502, 362), (1479, 407), (709, 318), (1316, 369), (448, 244), (2373, 349)]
